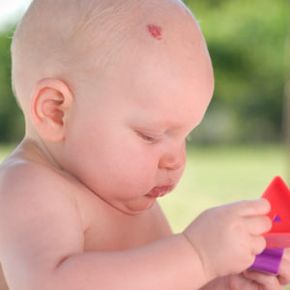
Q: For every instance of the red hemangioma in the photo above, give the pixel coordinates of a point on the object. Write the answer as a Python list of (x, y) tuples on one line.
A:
[(155, 31)]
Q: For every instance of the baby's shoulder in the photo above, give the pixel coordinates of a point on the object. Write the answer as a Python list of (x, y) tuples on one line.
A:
[(28, 184), (18, 175), (24, 182)]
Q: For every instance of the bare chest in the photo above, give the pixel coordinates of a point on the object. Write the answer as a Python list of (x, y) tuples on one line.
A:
[(106, 229)]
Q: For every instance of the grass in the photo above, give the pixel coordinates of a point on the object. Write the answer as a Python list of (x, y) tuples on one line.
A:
[(216, 175)]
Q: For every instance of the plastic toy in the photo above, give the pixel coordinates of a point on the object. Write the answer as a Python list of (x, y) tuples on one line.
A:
[(278, 238)]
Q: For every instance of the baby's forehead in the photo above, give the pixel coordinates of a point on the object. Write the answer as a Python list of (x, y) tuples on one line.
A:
[(74, 36), (81, 23), (117, 24)]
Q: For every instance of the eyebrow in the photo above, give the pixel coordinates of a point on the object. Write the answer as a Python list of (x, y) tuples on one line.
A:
[(161, 123), (167, 125)]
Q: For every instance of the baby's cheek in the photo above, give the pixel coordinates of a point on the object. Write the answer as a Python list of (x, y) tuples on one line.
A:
[(136, 166)]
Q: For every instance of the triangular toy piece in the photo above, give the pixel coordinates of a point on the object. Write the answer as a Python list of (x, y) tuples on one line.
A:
[(278, 195)]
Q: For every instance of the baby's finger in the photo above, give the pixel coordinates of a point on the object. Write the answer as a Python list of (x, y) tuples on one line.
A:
[(239, 282), (284, 272), (259, 225), (265, 282), (258, 245), (253, 207)]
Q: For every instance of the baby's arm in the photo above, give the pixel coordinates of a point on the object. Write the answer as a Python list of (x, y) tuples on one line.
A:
[(42, 242), (3, 285)]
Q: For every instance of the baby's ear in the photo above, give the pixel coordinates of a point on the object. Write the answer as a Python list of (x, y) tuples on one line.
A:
[(50, 107)]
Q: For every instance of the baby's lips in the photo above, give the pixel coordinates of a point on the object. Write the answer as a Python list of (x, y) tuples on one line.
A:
[(159, 191)]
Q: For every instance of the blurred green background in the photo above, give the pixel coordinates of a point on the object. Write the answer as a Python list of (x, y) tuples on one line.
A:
[(243, 141), (247, 40)]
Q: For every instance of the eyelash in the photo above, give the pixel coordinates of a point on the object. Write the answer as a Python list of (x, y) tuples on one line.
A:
[(147, 138), (151, 139)]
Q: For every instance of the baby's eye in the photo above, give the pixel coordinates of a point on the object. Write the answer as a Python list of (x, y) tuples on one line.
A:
[(146, 137)]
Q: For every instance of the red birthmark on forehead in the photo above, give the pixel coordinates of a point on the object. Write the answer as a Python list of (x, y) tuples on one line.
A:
[(155, 31)]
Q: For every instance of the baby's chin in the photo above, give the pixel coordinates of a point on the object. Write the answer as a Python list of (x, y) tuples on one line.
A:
[(133, 207)]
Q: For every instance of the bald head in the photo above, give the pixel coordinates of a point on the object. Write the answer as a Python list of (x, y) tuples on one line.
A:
[(68, 39)]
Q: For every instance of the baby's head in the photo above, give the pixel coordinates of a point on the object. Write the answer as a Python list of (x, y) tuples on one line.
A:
[(110, 89)]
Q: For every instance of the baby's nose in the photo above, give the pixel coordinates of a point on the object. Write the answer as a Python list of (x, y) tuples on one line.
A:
[(173, 160)]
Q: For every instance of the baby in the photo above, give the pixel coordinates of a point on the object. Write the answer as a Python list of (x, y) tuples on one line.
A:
[(110, 89)]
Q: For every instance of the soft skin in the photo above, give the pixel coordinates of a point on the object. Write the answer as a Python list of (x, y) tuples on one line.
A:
[(158, 90), (107, 111)]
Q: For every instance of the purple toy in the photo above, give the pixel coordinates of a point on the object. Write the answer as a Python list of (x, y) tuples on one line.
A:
[(268, 261)]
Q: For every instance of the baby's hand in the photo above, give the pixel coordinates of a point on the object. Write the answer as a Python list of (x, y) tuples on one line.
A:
[(227, 238), (251, 280), (284, 271)]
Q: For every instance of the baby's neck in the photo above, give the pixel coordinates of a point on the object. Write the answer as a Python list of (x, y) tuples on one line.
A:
[(34, 151)]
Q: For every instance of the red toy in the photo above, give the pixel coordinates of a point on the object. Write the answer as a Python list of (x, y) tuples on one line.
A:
[(278, 238), (278, 194)]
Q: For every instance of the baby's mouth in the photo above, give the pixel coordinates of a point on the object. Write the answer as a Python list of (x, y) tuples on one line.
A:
[(160, 191)]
